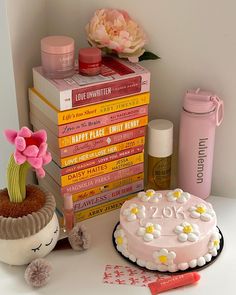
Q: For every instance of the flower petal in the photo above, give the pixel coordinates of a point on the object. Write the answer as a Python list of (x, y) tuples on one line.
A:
[(20, 143), (42, 149), (35, 162), (25, 132), (131, 217), (192, 237), (47, 158), (182, 237), (141, 231), (148, 237), (10, 135), (19, 158), (178, 229), (206, 217), (41, 135), (156, 233), (31, 151), (195, 214), (171, 255)]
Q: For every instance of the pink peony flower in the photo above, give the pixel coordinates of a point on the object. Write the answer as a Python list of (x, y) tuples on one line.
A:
[(114, 30), (30, 147)]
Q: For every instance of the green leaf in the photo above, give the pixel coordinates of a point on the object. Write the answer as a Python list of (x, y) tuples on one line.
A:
[(148, 55)]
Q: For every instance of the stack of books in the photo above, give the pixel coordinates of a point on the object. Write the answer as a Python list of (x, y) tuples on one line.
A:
[(96, 133)]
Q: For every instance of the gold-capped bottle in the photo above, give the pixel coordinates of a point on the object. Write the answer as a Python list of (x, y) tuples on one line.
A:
[(160, 149)]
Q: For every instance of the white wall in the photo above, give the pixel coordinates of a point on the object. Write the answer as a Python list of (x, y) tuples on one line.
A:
[(196, 42), (8, 109)]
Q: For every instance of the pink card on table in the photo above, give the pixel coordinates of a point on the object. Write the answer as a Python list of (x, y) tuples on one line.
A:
[(126, 275)]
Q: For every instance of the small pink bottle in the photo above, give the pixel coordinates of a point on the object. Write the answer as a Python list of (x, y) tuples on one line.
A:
[(202, 112)]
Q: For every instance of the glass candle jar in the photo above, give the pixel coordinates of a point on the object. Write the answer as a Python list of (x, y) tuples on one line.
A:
[(57, 56), (90, 61)]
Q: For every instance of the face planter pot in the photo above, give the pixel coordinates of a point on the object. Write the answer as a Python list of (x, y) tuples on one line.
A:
[(32, 229)]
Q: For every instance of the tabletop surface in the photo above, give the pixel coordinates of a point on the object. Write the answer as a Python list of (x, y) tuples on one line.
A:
[(82, 272)]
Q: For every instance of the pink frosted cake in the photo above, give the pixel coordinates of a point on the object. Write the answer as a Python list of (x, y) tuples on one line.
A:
[(167, 231)]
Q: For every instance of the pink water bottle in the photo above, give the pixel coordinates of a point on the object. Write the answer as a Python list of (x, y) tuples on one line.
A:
[(202, 112)]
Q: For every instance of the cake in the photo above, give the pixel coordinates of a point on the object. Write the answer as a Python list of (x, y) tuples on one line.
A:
[(167, 230)]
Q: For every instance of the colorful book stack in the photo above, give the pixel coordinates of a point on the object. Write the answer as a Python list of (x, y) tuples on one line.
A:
[(96, 134)]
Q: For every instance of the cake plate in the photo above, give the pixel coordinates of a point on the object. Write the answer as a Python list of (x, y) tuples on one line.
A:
[(197, 268)]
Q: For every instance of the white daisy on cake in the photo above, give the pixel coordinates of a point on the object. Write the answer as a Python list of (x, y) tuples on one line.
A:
[(214, 243), (134, 211), (150, 196), (201, 211), (178, 195), (187, 232), (149, 232), (164, 258), (121, 240)]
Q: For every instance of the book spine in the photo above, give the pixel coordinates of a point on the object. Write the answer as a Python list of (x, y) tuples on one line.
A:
[(100, 132), (75, 159), (108, 196), (101, 209), (100, 160), (102, 180), (101, 169), (102, 142), (101, 121), (102, 108), (56, 172), (107, 187), (109, 90)]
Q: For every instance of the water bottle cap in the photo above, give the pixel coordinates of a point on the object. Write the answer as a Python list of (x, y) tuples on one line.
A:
[(199, 102), (160, 138)]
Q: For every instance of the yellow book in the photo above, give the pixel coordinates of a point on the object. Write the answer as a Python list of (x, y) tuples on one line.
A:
[(101, 169), (101, 132), (101, 209), (81, 113), (75, 159)]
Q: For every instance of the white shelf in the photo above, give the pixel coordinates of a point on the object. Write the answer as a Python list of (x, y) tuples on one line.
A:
[(81, 272)]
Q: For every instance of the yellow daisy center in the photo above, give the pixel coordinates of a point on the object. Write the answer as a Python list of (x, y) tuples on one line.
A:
[(177, 194), (200, 210), (216, 243), (187, 229), (150, 229), (163, 258), (134, 210), (119, 240), (149, 194)]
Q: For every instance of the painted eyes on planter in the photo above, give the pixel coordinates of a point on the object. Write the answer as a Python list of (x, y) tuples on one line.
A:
[(56, 231), (36, 249)]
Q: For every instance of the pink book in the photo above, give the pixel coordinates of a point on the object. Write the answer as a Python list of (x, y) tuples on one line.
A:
[(108, 196), (88, 124), (118, 78), (56, 172), (101, 180)]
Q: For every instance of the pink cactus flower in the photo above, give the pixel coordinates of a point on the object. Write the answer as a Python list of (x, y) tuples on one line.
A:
[(114, 30), (31, 147)]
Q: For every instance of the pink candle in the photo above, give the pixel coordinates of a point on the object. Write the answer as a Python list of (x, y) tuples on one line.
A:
[(57, 56), (90, 61)]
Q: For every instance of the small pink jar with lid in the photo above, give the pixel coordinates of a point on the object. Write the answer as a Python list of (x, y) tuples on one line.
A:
[(57, 56), (90, 61)]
